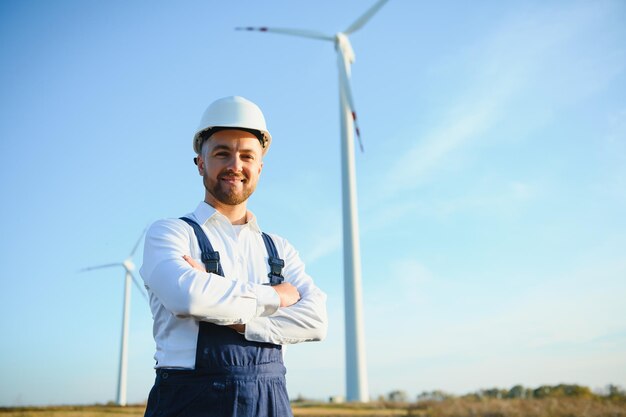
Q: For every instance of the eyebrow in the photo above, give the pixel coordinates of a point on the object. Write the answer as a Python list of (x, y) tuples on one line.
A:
[(221, 147), (242, 149)]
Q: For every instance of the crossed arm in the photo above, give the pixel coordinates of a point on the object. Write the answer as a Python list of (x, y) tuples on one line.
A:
[(288, 294), (301, 316), (292, 312)]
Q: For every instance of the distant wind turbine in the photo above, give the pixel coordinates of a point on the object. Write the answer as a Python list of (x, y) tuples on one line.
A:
[(129, 267), (356, 377)]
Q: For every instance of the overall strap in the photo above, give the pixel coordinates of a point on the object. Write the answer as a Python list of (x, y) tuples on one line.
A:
[(220, 349), (210, 258), (276, 264)]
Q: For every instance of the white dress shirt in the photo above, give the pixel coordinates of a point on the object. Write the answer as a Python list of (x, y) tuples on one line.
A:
[(181, 296)]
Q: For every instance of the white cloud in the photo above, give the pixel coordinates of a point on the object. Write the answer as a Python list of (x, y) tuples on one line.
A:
[(505, 198), (533, 64), (417, 164), (324, 245)]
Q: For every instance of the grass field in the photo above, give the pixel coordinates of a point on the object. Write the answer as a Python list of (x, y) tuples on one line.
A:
[(457, 407)]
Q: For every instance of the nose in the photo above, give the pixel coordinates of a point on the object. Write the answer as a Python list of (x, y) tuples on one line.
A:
[(235, 163)]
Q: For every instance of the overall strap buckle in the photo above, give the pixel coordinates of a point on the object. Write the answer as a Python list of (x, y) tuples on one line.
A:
[(210, 258), (276, 263), (276, 270), (211, 261)]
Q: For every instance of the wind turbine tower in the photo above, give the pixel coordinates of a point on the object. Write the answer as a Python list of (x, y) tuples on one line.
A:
[(356, 376), (129, 267)]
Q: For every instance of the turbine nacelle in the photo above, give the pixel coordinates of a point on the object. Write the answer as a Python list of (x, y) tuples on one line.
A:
[(345, 53), (343, 46), (129, 265)]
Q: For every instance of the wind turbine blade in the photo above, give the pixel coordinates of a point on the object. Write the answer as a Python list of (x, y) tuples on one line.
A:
[(358, 24), (91, 268), (344, 85), (293, 32), (138, 242), (142, 290)]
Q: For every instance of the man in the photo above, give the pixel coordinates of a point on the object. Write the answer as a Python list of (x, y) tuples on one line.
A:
[(224, 296)]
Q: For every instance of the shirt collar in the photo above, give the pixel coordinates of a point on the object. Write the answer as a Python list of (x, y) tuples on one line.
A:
[(204, 212)]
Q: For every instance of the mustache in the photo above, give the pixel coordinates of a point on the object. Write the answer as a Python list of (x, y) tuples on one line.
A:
[(230, 174)]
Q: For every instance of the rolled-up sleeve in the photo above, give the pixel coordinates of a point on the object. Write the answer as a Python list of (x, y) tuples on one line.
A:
[(187, 292), (302, 322)]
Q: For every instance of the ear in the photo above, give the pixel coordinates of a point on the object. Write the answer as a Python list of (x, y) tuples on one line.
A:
[(200, 163)]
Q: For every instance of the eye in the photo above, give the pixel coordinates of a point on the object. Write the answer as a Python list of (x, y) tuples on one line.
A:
[(248, 157), (221, 154)]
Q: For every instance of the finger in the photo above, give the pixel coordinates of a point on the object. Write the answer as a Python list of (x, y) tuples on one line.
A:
[(193, 262)]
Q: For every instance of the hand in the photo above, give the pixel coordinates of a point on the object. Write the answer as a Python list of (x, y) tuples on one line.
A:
[(193, 263), (288, 294), (240, 328)]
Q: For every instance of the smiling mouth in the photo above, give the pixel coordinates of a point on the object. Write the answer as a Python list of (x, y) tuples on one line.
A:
[(232, 180)]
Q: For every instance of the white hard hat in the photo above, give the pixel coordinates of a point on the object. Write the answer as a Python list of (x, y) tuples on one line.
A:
[(232, 113)]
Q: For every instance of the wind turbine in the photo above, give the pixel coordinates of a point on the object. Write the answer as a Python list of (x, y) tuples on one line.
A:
[(356, 377), (129, 267)]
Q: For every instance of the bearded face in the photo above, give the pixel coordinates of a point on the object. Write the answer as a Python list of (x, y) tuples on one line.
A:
[(230, 165), (230, 188)]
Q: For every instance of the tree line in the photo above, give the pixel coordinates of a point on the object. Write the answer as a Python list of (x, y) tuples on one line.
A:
[(611, 392)]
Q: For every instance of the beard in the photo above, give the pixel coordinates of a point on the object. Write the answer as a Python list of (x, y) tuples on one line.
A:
[(225, 194)]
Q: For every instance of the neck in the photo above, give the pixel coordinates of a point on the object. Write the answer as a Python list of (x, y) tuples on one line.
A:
[(236, 214)]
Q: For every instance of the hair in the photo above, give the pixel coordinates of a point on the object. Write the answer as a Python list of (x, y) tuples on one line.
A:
[(204, 150)]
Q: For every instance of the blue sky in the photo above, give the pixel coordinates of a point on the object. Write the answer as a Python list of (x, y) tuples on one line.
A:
[(492, 189)]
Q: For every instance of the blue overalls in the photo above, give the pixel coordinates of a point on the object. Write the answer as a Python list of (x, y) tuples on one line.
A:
[(232, 376)]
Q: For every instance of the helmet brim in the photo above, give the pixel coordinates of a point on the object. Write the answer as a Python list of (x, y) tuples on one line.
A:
[(264, 137)]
